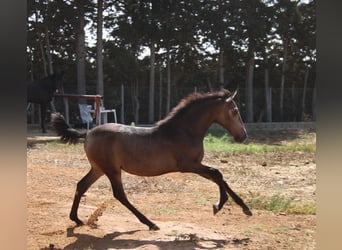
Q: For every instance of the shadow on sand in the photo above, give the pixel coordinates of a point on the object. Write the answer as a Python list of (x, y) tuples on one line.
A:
[(109, 241)]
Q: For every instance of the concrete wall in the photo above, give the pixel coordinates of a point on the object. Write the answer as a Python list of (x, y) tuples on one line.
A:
[(276, 126)]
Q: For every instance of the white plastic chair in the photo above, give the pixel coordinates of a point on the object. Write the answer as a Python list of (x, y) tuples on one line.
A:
[(85, 113), (104, 114)]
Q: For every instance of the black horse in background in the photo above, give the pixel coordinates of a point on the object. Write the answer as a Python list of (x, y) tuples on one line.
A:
[(42, 91)]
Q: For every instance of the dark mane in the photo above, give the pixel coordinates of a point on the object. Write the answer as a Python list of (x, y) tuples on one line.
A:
[(190, 100)]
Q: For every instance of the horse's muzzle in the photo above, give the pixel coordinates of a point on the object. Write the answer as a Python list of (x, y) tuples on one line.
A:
[(240, 137)]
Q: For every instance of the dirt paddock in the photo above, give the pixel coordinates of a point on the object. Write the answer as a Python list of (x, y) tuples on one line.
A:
[(180, 204)]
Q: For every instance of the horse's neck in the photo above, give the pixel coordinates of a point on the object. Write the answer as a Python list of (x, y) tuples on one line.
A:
[(199, 118), (50, 85)]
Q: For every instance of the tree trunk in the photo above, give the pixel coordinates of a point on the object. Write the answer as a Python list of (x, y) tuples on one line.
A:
[(268, 96), (268, 100), (168, 92), (136, 104), (40, 41), (221, 67), (160, 93), (80, 51), (304, 94), (249, 86), (48, 49), (49, 61), (282, 83), (314, 93), (209, 84), (30, 54), (122, 115), (43, 58), (293, 103), (99, 47), (151, 87), (30, 106)]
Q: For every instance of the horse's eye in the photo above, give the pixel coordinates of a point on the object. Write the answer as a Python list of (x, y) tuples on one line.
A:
[(235, 111)]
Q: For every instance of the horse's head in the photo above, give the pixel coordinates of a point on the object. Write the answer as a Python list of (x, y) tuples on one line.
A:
[(229, 118)]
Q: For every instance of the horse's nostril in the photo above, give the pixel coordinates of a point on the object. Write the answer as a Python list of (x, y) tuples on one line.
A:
[(240, 138), (237, 138)]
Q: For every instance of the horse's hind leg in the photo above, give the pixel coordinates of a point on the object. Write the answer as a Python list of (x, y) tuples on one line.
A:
[(215, 175), (120, 195), (82, 187), (237, 199)]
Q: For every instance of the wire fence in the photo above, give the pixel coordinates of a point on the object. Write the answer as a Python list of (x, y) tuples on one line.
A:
[(132, 104), (294, 110)]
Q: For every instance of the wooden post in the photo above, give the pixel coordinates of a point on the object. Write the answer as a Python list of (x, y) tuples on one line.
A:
[(97, 109)]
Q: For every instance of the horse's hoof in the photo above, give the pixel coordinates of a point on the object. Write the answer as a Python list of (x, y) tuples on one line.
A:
[(78, 221), (216, 209), (247, 212), (154, 228)]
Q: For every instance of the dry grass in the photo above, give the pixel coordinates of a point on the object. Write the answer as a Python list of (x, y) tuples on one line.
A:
[(93, 218)]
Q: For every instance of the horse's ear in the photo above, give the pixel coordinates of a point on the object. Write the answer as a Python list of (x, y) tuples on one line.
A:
[(231, 97)]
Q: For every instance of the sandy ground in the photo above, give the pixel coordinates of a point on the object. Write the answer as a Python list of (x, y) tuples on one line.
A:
[(180, 204)]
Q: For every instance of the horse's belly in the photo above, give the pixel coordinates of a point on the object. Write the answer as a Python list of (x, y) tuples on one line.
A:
[(149, 165)]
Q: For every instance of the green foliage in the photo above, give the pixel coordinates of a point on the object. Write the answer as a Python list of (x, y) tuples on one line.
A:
[(278, 204), (217, 142), (165, 210), (275, 203)]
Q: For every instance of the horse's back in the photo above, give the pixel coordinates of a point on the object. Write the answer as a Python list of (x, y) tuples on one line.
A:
[(34, 93)]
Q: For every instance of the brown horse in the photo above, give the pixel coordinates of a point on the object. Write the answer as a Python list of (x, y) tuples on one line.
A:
[(174, 144)]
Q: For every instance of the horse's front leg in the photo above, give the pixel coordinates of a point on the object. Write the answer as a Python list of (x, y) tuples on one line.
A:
[(119, 194)]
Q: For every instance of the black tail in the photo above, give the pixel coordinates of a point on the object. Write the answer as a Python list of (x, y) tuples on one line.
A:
[(68, 134)]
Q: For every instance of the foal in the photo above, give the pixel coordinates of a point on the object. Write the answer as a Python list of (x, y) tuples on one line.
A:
[(174, 144)]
